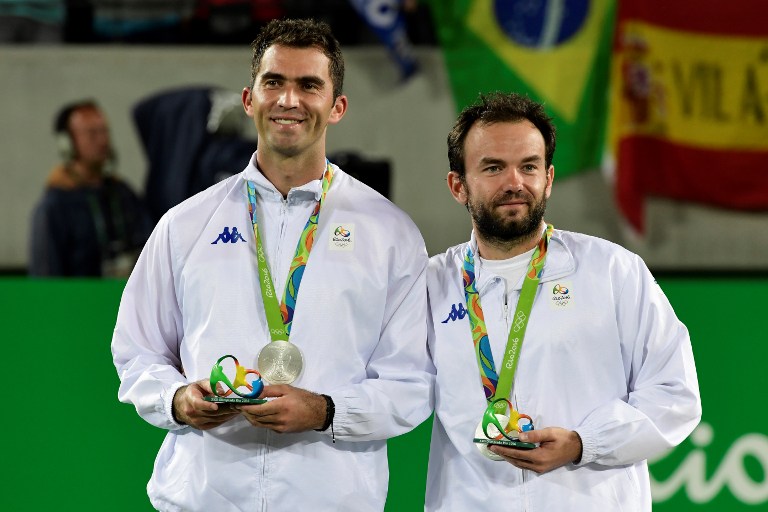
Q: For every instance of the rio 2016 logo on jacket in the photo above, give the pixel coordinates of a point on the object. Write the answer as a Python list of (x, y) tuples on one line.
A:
[(342, 237)]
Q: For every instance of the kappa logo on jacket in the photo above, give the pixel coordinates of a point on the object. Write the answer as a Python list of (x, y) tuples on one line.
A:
[(457, 313), (227, 237)]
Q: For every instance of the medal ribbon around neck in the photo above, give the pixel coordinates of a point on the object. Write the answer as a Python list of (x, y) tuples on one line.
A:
[(497, 387), (280, 315)]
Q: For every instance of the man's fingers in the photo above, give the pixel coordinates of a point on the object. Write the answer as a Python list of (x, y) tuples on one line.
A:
[(519, 459), (190, 407), (262, 413), (512, 454), (527, 465), (290, 409), (275, 390), (535, 436), (206, 423)]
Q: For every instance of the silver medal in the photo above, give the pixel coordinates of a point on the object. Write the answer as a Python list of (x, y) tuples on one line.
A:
[(280, 362)]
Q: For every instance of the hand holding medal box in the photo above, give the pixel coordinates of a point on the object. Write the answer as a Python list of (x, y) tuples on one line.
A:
[(498, 427)]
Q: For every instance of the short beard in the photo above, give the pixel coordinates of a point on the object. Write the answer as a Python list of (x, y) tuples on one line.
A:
[(505, 233)]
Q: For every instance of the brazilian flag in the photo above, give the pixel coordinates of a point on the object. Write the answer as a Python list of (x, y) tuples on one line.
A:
[(555, 51)]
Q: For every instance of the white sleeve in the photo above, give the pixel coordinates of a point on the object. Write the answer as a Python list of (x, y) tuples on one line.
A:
[(396, 396), (662, 406), (145, 343)]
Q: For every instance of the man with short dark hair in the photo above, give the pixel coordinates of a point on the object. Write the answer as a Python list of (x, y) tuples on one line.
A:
[(299, 272), (89, 223), (606, 377)]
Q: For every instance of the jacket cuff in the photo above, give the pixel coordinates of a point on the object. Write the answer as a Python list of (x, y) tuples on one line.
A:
[(166, 397), (588, 447)]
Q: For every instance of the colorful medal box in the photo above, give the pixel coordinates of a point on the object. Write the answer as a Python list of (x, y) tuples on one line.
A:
[(254, 387), (502, 430)]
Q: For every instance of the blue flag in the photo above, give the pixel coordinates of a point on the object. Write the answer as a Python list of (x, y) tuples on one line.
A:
[(386, 19)]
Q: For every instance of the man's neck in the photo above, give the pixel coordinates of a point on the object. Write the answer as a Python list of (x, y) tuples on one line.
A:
[(83, 174), (288, 173), (494, 249)]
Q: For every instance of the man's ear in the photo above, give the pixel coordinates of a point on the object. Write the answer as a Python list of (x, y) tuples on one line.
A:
[(457, 187), (338, 109), (550, 180), (247, 98)]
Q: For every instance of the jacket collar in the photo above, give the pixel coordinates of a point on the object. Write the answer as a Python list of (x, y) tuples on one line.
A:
[(265, 189), (560, 262)]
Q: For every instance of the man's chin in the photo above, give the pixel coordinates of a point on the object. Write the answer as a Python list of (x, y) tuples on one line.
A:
[(285, 150), (513, 218), (517, 228)]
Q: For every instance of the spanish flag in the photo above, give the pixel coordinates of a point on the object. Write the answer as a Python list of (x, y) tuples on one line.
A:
[(689, 105), (555, 51)]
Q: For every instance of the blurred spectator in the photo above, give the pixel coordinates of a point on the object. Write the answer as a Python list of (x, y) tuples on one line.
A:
[(28, 21), (193, 138), (89, 222)]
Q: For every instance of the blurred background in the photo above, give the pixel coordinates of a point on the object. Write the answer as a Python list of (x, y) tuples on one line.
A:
[(662, 116), (663, 137)]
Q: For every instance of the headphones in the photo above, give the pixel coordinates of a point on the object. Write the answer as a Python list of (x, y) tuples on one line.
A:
[(64, 143)]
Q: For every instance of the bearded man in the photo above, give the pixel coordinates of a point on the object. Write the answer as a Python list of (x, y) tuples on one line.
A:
[(561, 366)]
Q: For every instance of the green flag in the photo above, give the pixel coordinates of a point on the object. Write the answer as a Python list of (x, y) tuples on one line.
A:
[(555, 51)]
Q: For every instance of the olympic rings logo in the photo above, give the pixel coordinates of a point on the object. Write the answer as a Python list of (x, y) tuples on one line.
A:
[(520, 319)]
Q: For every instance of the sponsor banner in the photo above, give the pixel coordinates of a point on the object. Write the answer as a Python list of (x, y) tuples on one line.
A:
[(723, 465), (690, 104), (555, 51)]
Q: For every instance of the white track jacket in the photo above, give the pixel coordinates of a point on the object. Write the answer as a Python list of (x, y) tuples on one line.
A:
[(359, 322), (604, 355)]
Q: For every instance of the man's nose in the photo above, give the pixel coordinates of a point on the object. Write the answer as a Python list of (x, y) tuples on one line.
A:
[(513, 180), (288, 98)]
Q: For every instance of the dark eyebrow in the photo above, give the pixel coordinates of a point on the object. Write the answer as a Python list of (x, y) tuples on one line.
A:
[(532, 159), (310, 79), (271, 76), (486, 160)]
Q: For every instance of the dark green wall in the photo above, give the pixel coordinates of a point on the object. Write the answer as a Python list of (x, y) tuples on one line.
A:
[(70, 445)]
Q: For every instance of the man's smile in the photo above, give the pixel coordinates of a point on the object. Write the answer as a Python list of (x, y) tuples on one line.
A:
[(287, 121)]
